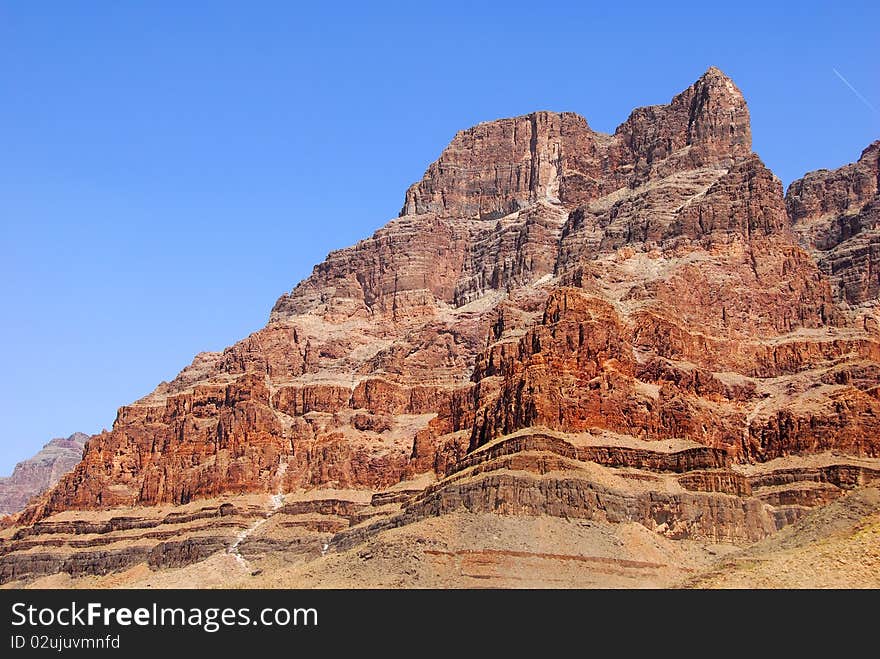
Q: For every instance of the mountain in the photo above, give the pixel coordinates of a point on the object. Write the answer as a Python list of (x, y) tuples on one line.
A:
[(634, 342), (40, 472)]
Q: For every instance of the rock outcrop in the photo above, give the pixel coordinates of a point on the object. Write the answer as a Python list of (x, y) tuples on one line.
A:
[(668, 339), (37, 474), (836, 214)]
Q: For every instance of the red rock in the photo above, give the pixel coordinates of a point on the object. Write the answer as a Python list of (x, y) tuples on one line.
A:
[(646, 285)]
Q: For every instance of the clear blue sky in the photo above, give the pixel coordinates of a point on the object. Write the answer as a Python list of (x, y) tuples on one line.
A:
[(168, 169)]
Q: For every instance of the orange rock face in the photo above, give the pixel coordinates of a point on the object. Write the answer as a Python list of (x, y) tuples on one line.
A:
[(653, 285)]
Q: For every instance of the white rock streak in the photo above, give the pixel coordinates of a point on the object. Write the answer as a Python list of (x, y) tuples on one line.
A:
[(276, 501)]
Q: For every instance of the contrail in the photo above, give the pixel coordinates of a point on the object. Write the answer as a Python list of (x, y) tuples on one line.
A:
[(855, 91)]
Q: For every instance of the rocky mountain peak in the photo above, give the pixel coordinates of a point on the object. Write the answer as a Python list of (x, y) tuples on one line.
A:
[(706, 124), (499, 167), (718, 112)]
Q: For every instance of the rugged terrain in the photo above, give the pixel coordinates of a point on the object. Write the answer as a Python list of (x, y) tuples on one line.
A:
[(574, 358), (40, 472)]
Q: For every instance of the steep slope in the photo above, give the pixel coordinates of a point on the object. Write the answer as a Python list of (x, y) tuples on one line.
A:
[(620, 328), (40, 472)]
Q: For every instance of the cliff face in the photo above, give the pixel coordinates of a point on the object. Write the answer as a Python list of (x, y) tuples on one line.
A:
[(836, 215), (627, 291), (40, 472)]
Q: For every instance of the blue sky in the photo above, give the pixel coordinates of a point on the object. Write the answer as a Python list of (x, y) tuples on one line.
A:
[(168, 169)]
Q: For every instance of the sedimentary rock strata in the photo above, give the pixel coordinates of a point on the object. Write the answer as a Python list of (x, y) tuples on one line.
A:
[(629, 328)]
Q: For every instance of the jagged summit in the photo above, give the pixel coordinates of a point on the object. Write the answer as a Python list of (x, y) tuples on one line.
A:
[(500, 166)]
